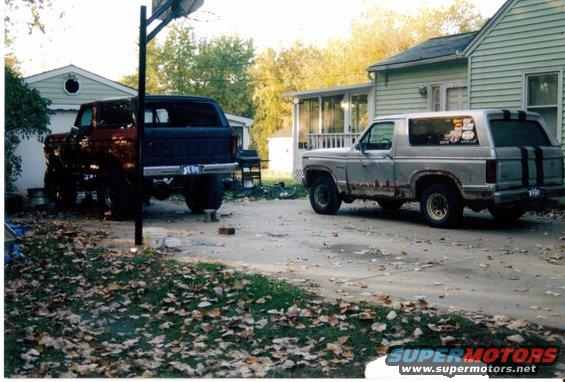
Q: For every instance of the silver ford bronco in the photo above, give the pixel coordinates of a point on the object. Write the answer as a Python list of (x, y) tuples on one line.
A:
[(495, 159)]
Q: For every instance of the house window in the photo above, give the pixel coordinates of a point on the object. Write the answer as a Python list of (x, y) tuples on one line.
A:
[(71, 86), (542, 92), (435, 98), (359, 113), (332, 114), (309, 120)]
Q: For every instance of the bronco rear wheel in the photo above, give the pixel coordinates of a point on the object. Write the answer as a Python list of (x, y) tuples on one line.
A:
[(324, 196), (441, 206)]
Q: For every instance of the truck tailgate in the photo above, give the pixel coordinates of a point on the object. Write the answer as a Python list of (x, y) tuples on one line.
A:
[(171, 146)]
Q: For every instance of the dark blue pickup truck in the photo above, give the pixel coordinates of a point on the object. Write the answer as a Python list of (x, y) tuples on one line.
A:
[(188, 144)]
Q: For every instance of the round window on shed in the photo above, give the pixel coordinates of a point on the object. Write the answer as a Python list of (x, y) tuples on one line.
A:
[(72, 86)]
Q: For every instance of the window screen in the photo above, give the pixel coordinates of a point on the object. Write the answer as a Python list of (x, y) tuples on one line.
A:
[(446, 131), (182, 114), (515, 133), (115, 115)]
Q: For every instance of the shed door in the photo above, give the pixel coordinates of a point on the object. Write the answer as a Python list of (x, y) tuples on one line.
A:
[(456, 98)]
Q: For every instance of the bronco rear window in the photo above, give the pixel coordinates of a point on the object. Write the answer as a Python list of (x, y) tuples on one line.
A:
[(182, 114), (443, 131), (512, 133)]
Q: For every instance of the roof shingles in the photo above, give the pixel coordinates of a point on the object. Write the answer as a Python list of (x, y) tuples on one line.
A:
[(435, 48)]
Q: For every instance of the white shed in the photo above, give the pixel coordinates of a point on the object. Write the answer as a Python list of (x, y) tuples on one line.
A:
[(281, 150), (67, 88)]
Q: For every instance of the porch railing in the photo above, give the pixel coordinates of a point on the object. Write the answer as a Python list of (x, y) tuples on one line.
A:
[(331, 140)]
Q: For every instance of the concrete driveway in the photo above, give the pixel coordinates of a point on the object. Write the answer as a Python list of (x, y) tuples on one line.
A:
[(365, 252)]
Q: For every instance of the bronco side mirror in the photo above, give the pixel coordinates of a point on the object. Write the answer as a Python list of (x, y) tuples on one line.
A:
[(362, 146)]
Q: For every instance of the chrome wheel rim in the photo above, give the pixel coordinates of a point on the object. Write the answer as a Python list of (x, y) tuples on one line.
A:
[(322, 195), (437, 206)]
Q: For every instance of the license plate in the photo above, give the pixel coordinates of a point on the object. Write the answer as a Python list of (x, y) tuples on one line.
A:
[(190, 170), (534, 193)]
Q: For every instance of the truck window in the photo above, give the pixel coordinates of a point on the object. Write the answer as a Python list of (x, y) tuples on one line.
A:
[(182, 113), (115, 115), (379, 136), (84, 117), (512, 133), (446, 131)]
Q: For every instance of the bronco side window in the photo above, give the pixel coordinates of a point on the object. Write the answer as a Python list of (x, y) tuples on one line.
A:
[(459, 130), (379, 137)]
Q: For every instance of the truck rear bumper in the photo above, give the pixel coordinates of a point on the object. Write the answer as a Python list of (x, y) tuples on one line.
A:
[(528, 194), (185, 170)]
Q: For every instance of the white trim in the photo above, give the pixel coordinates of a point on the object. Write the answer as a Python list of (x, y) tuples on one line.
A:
[(559, 72), (312, 93), (489, 26), (56, 106), (248, 122), (74, 69)]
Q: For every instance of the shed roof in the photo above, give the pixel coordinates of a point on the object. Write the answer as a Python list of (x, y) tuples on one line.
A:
[(327, 91), (433, 50)]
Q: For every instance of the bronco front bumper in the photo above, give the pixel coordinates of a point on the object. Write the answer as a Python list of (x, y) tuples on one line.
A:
[(186, 170), (528, 194)]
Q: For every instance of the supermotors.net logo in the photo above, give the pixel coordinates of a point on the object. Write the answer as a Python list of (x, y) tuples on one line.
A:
[(524, 360)]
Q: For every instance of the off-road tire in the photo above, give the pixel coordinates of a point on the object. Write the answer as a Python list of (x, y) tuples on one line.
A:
[(507, 214), (204, 193), (60, 187), (441, 206), (115, 195), (390, 204), (324, 196)]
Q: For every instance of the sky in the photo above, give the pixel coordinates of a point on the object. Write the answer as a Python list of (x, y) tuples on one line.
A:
[(101, 36)]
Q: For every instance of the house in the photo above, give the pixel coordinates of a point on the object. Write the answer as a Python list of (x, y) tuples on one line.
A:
[(281, 150), (67, 88), (516, 61), (329, 117)]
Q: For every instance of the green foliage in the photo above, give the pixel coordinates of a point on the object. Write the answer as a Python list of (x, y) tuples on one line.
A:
[(217, 68), (27, 115)]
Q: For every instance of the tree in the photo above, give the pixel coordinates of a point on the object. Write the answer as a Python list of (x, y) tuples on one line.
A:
[(26, 115), (155, 81), (33, 21), (378, 34), (217, 68)]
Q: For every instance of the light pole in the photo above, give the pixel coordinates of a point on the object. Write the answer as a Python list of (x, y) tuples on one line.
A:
[(165, 11)]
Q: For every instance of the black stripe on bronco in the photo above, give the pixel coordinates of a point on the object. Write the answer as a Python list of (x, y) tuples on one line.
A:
[(506, 114), (525, 167), (539, 165)]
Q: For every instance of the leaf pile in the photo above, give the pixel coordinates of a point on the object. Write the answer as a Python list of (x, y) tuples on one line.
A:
[(74, 308)]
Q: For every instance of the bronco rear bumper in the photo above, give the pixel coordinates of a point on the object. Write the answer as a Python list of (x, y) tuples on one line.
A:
[(528, 194), (185, 170)]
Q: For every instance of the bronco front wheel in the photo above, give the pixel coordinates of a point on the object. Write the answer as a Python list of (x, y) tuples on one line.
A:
[(324, 196)]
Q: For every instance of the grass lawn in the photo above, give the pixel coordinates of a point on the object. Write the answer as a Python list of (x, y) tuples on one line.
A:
[(75, 308)]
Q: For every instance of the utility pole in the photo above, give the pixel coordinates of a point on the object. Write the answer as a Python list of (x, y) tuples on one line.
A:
[(165, 11)]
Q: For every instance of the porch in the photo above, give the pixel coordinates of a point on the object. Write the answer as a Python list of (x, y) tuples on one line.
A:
[(330, 140)]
